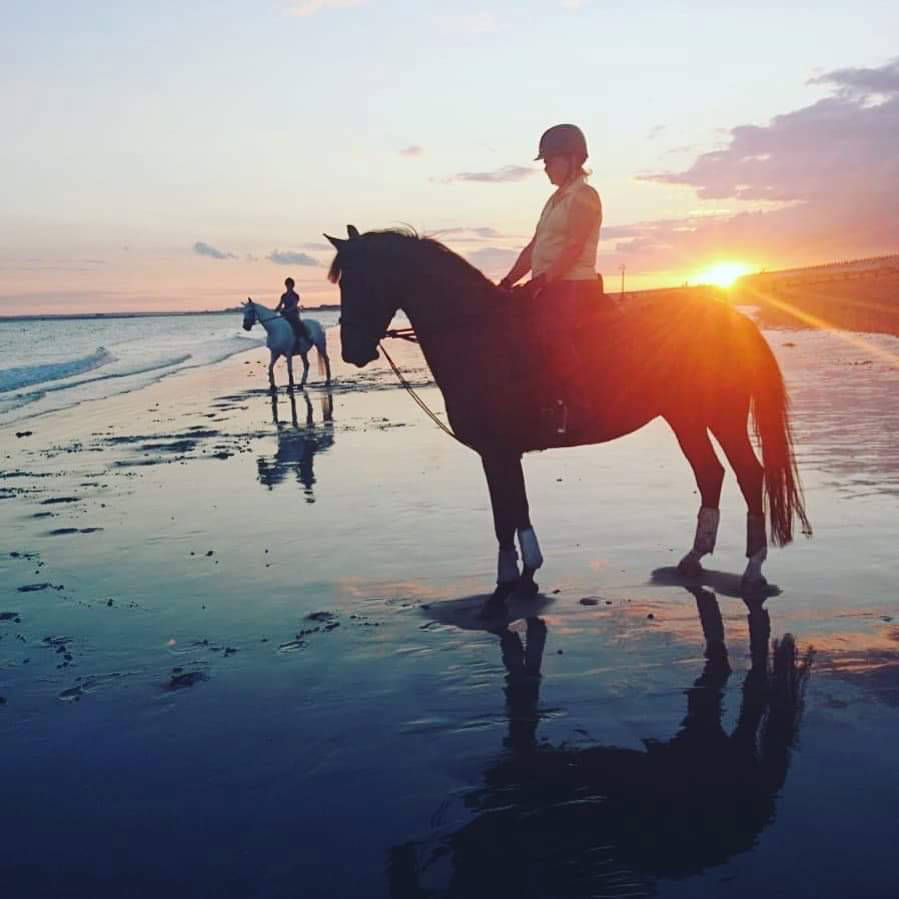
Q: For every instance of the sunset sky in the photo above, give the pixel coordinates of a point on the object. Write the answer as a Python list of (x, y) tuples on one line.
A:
[(185, 155)]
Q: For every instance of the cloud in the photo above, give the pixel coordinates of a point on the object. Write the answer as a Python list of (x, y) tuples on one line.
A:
[(204, 249), (411, 150), (286, 257), (463, 234), (884, 80), (498, 176), (824, 180), (493, 259), (310, 7)]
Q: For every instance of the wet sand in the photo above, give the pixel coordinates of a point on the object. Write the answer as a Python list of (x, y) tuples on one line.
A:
[(240, 654)]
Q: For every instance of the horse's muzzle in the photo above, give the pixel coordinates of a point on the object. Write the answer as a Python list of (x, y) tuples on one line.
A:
[(360, 358)]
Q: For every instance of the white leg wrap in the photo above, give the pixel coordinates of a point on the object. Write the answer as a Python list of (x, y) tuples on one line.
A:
[(507, 566), (706, 531), (530, 548)]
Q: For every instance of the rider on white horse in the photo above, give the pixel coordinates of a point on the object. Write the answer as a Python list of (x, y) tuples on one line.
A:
[(289, 307)]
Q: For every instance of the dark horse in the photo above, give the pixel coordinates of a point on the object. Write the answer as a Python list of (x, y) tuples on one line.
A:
[(698, 363)]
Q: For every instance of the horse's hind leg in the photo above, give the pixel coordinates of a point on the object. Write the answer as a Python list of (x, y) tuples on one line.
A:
[(694, 441), (731, 432), (505, 481), (289, 359), (305, 358)]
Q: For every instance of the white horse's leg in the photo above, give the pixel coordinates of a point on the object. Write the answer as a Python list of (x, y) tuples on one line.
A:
[(305, 370), (271, 370), (289, 359)]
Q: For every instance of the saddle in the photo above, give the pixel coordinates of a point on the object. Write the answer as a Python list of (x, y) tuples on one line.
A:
[(562, 332), (300, 333), (533, 379)]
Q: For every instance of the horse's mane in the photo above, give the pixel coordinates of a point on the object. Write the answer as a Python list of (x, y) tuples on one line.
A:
[(407, 245)]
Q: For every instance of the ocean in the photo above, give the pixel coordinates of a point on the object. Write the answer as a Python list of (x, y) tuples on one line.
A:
[(52, 364)]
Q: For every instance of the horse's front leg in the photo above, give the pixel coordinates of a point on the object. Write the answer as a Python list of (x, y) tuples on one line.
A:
[(305, 357), (508, 497), (271, 369), (289, 359)]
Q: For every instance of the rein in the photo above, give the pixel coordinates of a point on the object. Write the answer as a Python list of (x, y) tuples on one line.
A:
[(271, 318), (409, 334)]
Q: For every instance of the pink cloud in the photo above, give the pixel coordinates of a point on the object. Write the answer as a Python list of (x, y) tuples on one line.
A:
[(831, 170)]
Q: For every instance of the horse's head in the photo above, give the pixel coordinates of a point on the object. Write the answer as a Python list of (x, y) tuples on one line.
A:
[(367, 295), (249, 314)]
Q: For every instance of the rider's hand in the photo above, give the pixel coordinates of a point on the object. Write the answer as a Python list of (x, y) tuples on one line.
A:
[(505, 284)]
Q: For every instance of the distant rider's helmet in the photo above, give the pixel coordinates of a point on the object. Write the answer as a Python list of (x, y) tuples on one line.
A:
[(563, 140), (288, 283)]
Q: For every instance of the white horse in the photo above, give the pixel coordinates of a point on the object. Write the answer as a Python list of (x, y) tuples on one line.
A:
[(282, 342)]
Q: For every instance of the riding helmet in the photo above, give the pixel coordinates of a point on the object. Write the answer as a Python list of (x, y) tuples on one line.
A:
[(563, 140)]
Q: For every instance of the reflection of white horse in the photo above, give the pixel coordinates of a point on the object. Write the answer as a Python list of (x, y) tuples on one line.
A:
[(281, 341)]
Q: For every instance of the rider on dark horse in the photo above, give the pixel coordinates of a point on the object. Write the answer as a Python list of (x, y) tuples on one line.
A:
[(562, 252), (289, 307), (565, 291)]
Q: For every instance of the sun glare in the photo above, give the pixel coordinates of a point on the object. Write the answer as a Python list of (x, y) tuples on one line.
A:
[(722, 274)]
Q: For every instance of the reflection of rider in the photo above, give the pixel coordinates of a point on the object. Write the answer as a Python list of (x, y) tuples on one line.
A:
[(289, 307), (562, 252)]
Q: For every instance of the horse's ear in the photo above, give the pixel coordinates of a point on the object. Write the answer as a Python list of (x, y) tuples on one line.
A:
[(352, 231), (336, 242)]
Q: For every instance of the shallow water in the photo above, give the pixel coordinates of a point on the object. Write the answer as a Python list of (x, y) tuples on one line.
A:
[(255, 666), (51, 364)]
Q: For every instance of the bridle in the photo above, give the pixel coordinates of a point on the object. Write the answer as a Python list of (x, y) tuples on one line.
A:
[(257, 317)]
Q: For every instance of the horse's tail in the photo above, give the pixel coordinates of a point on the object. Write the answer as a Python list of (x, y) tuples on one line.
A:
[(322, 352), (771, 422)]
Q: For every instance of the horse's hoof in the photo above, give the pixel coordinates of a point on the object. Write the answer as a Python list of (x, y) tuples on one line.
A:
[(526, 586), (690, 568)]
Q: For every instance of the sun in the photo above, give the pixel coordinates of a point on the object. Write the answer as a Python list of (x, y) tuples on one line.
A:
[(722, 274)]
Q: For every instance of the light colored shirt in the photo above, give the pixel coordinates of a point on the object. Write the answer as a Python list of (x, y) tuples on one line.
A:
[(553, 233)]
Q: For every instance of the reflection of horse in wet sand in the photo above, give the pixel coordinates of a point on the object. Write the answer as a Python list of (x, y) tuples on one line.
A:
[(297, 445), (566, 822), (698, 363)]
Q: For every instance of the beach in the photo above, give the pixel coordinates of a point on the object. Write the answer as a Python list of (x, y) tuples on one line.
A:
[(241, 654)]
